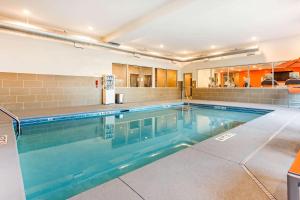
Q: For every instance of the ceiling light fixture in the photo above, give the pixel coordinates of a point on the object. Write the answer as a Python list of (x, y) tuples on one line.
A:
[(84, 38), (253, 38), (161, 46), (212, 46), (26, 12)]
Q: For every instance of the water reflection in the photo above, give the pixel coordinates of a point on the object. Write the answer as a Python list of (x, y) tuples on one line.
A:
[(78, 154)]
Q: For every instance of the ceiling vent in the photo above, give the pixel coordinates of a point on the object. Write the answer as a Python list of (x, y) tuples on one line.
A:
[(136, 55), (250, 54), (114, 44)]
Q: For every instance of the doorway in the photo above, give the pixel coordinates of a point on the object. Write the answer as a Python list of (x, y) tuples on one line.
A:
[(187, 84)]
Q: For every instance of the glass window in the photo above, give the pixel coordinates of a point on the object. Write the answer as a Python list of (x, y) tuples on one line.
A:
[(133, 73), (238, 76), (146, 77), (280, 74), (119, 70), (171, 78), (220, 76), (161, 77), (287, 73), (165, 77), (261, 75), (140, 76)]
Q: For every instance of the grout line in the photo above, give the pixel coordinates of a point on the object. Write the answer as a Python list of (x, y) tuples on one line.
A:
[(258, 183), (216, 156), (131, 188), (269, 139), (252, 176)]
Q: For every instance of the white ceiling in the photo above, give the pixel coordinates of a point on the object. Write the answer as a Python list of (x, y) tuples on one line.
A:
[(182, 26)]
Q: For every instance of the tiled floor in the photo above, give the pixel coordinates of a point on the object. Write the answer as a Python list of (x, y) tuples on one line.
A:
[(210, 169)]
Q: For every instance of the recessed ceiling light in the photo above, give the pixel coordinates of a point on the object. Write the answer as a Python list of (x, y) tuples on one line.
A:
[(84, 38), (26, 12), (185, 52), (253, 38), (161, 46), (90, 28), (212, 46)]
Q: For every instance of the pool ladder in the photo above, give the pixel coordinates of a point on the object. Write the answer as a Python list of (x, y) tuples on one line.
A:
[(14, 117)]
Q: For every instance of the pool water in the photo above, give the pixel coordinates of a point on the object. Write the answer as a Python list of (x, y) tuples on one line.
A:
[(61, 159)]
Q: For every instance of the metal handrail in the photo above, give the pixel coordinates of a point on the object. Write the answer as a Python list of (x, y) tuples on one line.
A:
[(14, 117)]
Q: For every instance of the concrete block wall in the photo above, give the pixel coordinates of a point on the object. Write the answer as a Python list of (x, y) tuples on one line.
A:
[(276, 96), (149, 94), (20, 91)]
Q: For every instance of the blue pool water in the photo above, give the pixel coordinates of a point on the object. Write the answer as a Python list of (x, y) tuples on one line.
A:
[(60, 159)]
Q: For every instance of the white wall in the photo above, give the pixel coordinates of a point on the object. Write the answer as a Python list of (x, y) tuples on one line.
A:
[(24, 54), (270, 51), (203, 78)]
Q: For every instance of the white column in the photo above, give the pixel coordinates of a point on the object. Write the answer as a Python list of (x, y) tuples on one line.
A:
[(153, 77)]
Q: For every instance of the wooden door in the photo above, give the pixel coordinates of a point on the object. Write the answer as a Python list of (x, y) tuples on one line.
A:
[(188, 84)]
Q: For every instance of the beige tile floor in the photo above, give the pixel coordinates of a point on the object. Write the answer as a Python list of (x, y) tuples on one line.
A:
[(208, 170)]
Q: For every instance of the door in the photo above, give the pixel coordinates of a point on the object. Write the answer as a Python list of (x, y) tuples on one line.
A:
[(188, 84)]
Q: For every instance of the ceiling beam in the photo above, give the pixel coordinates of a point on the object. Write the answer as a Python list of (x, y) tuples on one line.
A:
[(169, 6)]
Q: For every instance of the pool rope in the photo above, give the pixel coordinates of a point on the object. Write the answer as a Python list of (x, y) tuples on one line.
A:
[(252, 176)]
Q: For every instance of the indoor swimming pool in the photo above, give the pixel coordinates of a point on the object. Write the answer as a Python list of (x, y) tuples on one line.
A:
[(61, 157)]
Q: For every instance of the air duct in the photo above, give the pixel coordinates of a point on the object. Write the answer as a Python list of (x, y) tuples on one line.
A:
[(64, 36)]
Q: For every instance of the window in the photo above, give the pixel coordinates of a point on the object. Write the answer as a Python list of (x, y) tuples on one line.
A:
[(219, 77), (166, 77), (286, 73), (171, 78), (238, 77), (279, 74), (261, 75), (140, 76), (120, 72), (161, 77)]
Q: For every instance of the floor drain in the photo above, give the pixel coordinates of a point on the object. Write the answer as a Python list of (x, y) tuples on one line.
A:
[(3, 139)]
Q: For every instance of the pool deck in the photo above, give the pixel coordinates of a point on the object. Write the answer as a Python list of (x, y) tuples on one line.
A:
[(257, 156)]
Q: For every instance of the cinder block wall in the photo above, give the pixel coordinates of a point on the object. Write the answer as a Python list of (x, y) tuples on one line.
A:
[(20, 91), (149, 94), (276, 96)]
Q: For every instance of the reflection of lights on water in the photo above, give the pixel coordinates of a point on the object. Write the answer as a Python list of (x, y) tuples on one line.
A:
[(123, 166), (154, 154), (182, 145)]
